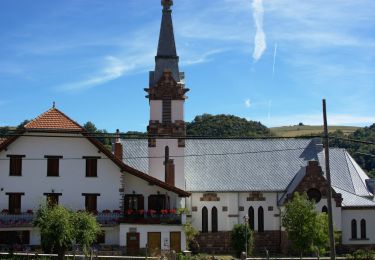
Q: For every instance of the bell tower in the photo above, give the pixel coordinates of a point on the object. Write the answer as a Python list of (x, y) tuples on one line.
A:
[(166, 94)]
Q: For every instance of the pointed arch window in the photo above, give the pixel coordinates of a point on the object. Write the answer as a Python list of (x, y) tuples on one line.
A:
[(260, 219), (204, 220), (354, 229), (363, 229), (251, 218), (325, 209), (214, 219)]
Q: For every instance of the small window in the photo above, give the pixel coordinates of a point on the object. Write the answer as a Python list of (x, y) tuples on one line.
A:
[(91, 202), (158, 202), (314, 194), (363, 229), (100, 238), (14, 203), (214, 219), (15, 165), (354, 229), (52, 165), (133, 202), (325, 209), (167, 111), (260, 219), (251, 218), (204, 220), (52, 199), (91, 167)]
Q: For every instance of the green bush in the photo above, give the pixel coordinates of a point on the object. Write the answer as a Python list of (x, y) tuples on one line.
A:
[(238, 236)]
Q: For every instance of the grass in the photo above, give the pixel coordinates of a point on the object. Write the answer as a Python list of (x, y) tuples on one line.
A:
[(296, 130)]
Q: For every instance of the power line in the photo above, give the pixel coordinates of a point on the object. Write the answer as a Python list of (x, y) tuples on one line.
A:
[(367, 154), (355, 140), (175, 156)]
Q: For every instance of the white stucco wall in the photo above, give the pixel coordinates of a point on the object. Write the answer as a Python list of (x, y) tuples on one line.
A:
[(71, 181), (358, 214), (111, 235), (140, 186), (335, 210), (234, 200), (177, 110), (156, 166), (143, 229), (156, 110)]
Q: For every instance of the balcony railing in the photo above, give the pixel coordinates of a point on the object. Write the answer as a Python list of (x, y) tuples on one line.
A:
[(16, 220), (104, 219)]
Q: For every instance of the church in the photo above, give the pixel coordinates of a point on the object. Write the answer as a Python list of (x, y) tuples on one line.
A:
[(144, 190)]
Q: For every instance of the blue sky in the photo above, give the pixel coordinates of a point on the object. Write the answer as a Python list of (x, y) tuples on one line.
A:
[(271, 61)]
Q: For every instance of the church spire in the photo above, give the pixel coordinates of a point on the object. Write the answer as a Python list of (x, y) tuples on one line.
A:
[(166, 57)]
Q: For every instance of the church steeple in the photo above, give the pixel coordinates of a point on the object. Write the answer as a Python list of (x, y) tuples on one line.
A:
[(166, 94), (166, 57)]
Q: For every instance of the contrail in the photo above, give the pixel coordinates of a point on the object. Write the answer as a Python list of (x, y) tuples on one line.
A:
[(274, 60), (260, 38)]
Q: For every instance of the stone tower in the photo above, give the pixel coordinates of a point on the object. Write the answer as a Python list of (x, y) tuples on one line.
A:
[(166, 94)]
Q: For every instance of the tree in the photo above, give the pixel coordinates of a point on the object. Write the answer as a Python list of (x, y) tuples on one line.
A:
[(102, 134), (56, 229), (241, 233), (86, 230), (191, 234), (321, 234), (225, 126), (299, 221), (60, 227)]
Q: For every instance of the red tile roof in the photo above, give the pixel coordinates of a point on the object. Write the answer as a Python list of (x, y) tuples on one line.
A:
[(55, 120)]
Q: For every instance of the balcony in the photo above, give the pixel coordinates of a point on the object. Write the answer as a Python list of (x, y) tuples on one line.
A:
[(16, 220), (105, 218)]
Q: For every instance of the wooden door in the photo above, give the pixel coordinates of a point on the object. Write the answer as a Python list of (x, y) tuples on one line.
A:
[(154, 243), (175, 241), (132, 243)]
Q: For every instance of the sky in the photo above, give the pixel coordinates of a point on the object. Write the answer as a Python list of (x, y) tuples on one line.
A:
[(271, 61)]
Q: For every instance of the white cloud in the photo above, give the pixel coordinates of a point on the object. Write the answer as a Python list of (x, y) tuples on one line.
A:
[(260, 37), (114, 69), (247, 103)]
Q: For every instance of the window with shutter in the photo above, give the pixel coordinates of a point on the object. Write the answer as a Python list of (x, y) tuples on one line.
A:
[(91, 202), (15, 165), (91, 167), (133, 201), (52, 165), (14, 203)]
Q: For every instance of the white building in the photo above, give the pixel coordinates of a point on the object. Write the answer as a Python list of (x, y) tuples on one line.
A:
[(54, 158)]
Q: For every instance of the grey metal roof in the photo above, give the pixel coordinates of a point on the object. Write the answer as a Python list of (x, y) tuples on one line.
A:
[(258, 165), (353, 200)]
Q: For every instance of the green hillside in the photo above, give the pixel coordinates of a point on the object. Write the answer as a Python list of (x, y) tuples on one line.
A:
[(304, 130)]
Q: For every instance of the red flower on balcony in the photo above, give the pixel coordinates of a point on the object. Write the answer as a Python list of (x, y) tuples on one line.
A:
[(5, 211), (116, 211), (164, 211), (106, 211), (30, 211), (141, 212), (129, 212), (151, 212)]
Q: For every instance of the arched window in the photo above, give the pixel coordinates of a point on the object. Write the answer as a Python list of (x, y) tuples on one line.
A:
[(251, 218), (354, 229), (204, 220), (363, 229), (214, 219), (325, 209), (260, 219)]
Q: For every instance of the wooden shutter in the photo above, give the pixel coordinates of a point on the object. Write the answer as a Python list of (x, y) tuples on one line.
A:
[(53, 166), (15, 165), (141, 202), (14, 203), (91, 167)]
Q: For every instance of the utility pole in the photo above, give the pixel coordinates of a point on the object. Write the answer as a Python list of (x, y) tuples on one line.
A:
[(329, 193)]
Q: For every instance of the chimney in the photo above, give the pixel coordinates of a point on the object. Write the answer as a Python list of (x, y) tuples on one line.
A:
[(169, 177), (118, 146)]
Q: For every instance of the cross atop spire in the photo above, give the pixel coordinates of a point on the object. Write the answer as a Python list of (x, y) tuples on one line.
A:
[(166, 4)]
